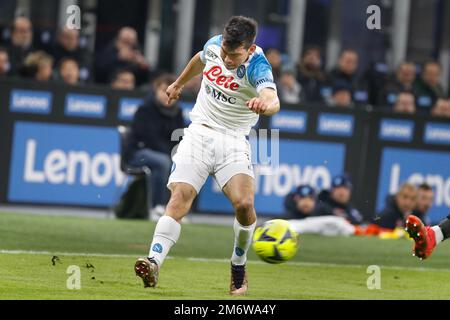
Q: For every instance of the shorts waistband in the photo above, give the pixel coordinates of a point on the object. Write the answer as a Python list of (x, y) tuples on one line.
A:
[(217, 131)]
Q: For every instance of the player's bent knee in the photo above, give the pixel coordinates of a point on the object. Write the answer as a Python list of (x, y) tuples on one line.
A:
[(183, 192), (177, 209), (244, 205)]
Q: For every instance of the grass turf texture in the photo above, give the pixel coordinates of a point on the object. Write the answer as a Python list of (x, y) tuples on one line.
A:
[(324, 268)]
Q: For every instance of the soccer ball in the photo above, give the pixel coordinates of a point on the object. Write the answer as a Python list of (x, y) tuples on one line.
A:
[(275, 241)]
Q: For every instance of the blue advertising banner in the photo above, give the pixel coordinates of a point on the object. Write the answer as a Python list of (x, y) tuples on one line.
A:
[(396, 130), (301, 162), (30, 101), (289, 121), (407, 165), (330, 124), (64, 164), (84, 105), (76, 163), (437, 133)]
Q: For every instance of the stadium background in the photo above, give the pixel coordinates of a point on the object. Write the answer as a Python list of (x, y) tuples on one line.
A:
[(367, 141)]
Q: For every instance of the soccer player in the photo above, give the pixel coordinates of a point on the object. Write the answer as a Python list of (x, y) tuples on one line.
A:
[(426, 238), (237, 87)]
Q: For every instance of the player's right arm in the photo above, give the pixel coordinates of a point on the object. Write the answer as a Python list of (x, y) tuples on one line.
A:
[(193, 68)]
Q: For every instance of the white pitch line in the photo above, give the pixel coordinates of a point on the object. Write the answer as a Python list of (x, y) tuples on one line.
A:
[(322, 264), (209, 260)]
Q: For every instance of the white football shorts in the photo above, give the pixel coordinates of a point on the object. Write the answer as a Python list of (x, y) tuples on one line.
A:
[(204, 151)]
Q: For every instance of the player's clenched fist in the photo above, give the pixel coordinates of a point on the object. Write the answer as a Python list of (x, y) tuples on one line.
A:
[(257, 105), (173, 92)]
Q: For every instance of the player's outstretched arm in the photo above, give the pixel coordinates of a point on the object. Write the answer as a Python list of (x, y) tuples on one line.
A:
[(193, 68), (267, 103)]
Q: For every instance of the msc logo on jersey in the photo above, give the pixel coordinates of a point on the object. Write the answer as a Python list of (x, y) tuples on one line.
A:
[(219, 95), (241, 71)]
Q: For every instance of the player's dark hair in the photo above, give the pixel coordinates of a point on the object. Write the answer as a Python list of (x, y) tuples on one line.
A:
[(3, 49), (239, 31)]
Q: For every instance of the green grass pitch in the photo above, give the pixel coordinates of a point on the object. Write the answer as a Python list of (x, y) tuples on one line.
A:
[(198, 267)]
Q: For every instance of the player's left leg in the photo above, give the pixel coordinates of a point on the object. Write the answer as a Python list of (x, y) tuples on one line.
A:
[(240, 191), (426, 238)]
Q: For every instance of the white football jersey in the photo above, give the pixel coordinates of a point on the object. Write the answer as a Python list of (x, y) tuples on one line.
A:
[(221, 102)]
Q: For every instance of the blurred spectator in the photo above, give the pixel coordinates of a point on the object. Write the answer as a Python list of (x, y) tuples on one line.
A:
[(425, 200), (123, 52), (403, 80), (310, 74), (68, 46), (341, 96), (69, 72), (192, 87), (405, 103), (346, 70), (398, 207), (151, 132), (337, 201), (441, 108), (123, 79), (4, 62), (288, 87), (21, 42), (38, 66), (301, 203), (428, 88), (274, 57)]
